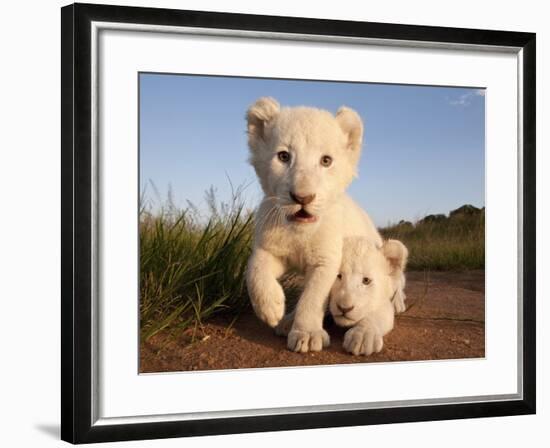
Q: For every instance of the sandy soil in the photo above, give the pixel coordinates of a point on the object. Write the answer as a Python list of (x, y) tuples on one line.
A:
[(445, 319)]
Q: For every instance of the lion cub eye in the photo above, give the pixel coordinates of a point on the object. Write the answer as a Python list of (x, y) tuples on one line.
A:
[(366, 281), (326, 161), (284, 156), (339, 276)]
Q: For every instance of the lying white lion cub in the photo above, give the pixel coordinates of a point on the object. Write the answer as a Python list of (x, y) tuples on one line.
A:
[(361, 297)]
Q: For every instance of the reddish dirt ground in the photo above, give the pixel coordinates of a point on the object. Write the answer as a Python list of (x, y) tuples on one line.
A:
[(445, 319)]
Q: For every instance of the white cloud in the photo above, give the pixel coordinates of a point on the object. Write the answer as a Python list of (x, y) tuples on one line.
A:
[(466, 98)]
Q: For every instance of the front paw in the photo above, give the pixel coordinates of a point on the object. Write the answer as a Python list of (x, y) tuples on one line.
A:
[(270, 310), (304, 341), (362, 340)]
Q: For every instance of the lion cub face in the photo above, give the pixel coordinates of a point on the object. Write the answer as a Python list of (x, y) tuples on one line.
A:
[(367, 279), (304, 157)]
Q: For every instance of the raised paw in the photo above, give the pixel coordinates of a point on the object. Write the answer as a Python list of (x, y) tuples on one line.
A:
[(270, 311), (361, 340), (305, 341)]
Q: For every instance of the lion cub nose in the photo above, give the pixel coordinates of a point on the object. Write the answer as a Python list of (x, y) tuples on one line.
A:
[(302, 200), (345, 310)]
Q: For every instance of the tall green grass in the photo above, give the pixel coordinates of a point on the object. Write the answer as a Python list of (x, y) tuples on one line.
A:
[(191, 268), (448, 243)]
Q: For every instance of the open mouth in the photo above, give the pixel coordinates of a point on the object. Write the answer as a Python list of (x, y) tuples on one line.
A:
[(302, 216)]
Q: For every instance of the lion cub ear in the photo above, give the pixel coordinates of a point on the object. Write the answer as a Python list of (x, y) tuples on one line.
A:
[(351, 124), (396, 253), (258, 115)]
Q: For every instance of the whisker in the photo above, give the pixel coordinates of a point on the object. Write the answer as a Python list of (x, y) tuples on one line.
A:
[(275, 215), (280, 217), (269, 216), (266, 218)]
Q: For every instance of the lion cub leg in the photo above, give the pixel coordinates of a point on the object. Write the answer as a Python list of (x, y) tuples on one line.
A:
[(266, 293), (307, 333)]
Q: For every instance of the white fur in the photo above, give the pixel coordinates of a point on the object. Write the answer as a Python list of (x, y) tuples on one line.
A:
[(313, 248), (366, 305), (397, 254)]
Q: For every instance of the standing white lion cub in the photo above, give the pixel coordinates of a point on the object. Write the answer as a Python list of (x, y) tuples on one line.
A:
[(305, 158), (361, 296)]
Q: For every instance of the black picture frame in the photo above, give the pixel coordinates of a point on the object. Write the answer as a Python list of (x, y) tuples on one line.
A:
[(76, 219)]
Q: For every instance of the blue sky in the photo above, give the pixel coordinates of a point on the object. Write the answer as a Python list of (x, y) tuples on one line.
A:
[(424, 147)]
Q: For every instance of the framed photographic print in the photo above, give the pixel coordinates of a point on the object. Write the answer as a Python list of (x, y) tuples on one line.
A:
[(275, 223)]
